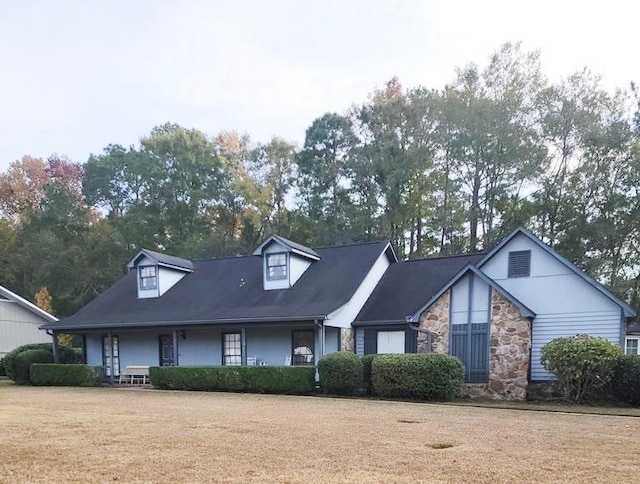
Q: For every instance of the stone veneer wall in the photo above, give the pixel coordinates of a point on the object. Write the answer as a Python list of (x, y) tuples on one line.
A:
[(509, 353), (436, 320), (509, 347), (347, 340)]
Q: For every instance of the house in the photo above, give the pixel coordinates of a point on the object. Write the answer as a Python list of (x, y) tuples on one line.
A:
[(20, 321), (290, 304)]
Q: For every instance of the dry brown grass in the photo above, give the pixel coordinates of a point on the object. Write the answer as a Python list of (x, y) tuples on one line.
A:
[(130, 435)]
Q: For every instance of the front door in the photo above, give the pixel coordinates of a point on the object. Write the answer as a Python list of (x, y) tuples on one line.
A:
[(166, 350), (111, 356)]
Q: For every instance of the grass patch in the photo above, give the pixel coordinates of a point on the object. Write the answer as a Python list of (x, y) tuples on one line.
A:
[(55, 434)]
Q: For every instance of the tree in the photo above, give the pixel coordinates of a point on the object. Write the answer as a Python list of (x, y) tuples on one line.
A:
[(325, 172)]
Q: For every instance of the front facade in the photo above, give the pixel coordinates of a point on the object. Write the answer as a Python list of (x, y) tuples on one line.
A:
[(287, 304), (20, 321)]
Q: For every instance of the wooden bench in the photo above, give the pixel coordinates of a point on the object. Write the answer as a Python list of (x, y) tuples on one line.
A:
[(134, 374)]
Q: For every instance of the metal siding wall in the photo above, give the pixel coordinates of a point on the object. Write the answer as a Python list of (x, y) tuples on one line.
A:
[(18, 327), (332, 337), (139, 348), (201, 347), (272, 345), (460, 301), (94, 349), (550, 326)]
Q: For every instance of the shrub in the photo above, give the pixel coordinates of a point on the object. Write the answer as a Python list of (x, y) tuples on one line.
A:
[(72, 375), (253, 379), (65, 355), (367, 360), (582, 364), (430, 376), (23, 363), (2, 372), (340, 373), (625, 383)]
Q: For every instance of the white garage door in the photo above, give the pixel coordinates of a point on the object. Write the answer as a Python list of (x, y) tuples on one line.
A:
[(390, 342)]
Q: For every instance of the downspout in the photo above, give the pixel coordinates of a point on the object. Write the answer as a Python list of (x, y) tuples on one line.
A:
[(418, 329), (54, 346)]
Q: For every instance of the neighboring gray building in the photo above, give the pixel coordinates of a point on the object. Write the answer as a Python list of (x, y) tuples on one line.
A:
[(19, 322), (289, 304)]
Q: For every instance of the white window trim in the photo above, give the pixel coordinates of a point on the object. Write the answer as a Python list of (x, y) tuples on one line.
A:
[(140, 278), (286, 266), (628, 338)]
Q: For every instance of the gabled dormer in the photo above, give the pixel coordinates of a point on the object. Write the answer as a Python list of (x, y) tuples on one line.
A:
[(156, 273), (283, 261)]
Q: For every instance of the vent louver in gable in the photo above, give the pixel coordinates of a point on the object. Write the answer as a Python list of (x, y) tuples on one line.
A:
[(519, 263)]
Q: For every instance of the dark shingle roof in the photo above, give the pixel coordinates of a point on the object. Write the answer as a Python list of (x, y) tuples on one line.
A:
[(227, 290), (408, 285)]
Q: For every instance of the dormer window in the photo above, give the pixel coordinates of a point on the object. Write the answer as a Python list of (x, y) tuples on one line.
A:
[(148, 278), (276, 267)]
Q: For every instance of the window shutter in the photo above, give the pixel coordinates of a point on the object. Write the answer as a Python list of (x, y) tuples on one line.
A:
[(370, 341), (410, 341), (519, 263)]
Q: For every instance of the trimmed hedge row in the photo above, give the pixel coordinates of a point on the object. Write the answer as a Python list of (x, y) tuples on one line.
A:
[(625, 383), (16, 367), (429, 376), (291, 380), (341, 373), (72, 375)]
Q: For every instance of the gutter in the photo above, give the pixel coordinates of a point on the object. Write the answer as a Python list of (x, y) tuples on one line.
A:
[(192, 322)]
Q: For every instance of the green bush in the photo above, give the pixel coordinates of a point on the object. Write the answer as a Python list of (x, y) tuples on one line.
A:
[(582, 364), (625, 383), (72, 375), (23, 362), (340, 373), (252, 379), (2, 372), (65, 355), (367, 360), (429, 376)]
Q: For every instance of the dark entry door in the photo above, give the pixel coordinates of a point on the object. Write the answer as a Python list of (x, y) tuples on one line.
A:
[(167, 357)]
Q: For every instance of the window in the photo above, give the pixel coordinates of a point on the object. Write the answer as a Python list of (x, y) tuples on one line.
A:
[(520, 263), (303, 345), (276, 267), (148, 278), (231, 349), (631, 346)]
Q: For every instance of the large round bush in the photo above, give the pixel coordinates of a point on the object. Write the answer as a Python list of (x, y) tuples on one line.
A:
[(625, 384), (582, 364), (340, 373), (23, 363)]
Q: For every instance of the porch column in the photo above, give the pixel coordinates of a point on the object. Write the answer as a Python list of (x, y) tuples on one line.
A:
[(175, 347), (243, 346), (111, 375), (55, 346)]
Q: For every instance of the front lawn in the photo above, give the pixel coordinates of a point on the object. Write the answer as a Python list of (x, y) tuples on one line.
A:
[(103, 434)]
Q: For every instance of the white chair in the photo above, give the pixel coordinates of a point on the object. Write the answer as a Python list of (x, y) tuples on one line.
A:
[(251, 361), (287, 361)]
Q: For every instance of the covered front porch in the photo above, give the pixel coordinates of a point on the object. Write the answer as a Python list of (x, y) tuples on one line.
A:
[(267, 344)]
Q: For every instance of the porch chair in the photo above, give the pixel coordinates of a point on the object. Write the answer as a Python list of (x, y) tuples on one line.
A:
[(251, 361)]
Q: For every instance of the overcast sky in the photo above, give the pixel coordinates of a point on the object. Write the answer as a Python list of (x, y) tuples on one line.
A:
[(78, 75)]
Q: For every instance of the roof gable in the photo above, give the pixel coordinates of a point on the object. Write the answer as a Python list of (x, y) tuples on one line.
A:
[(470, 269), (12, 296), (163, 260), (628, 310), (289, 245)]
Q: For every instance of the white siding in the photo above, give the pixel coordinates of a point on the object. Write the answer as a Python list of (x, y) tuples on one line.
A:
[(564, 303), (344, 316), (167, 278), (297, 266), (18, 327)]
